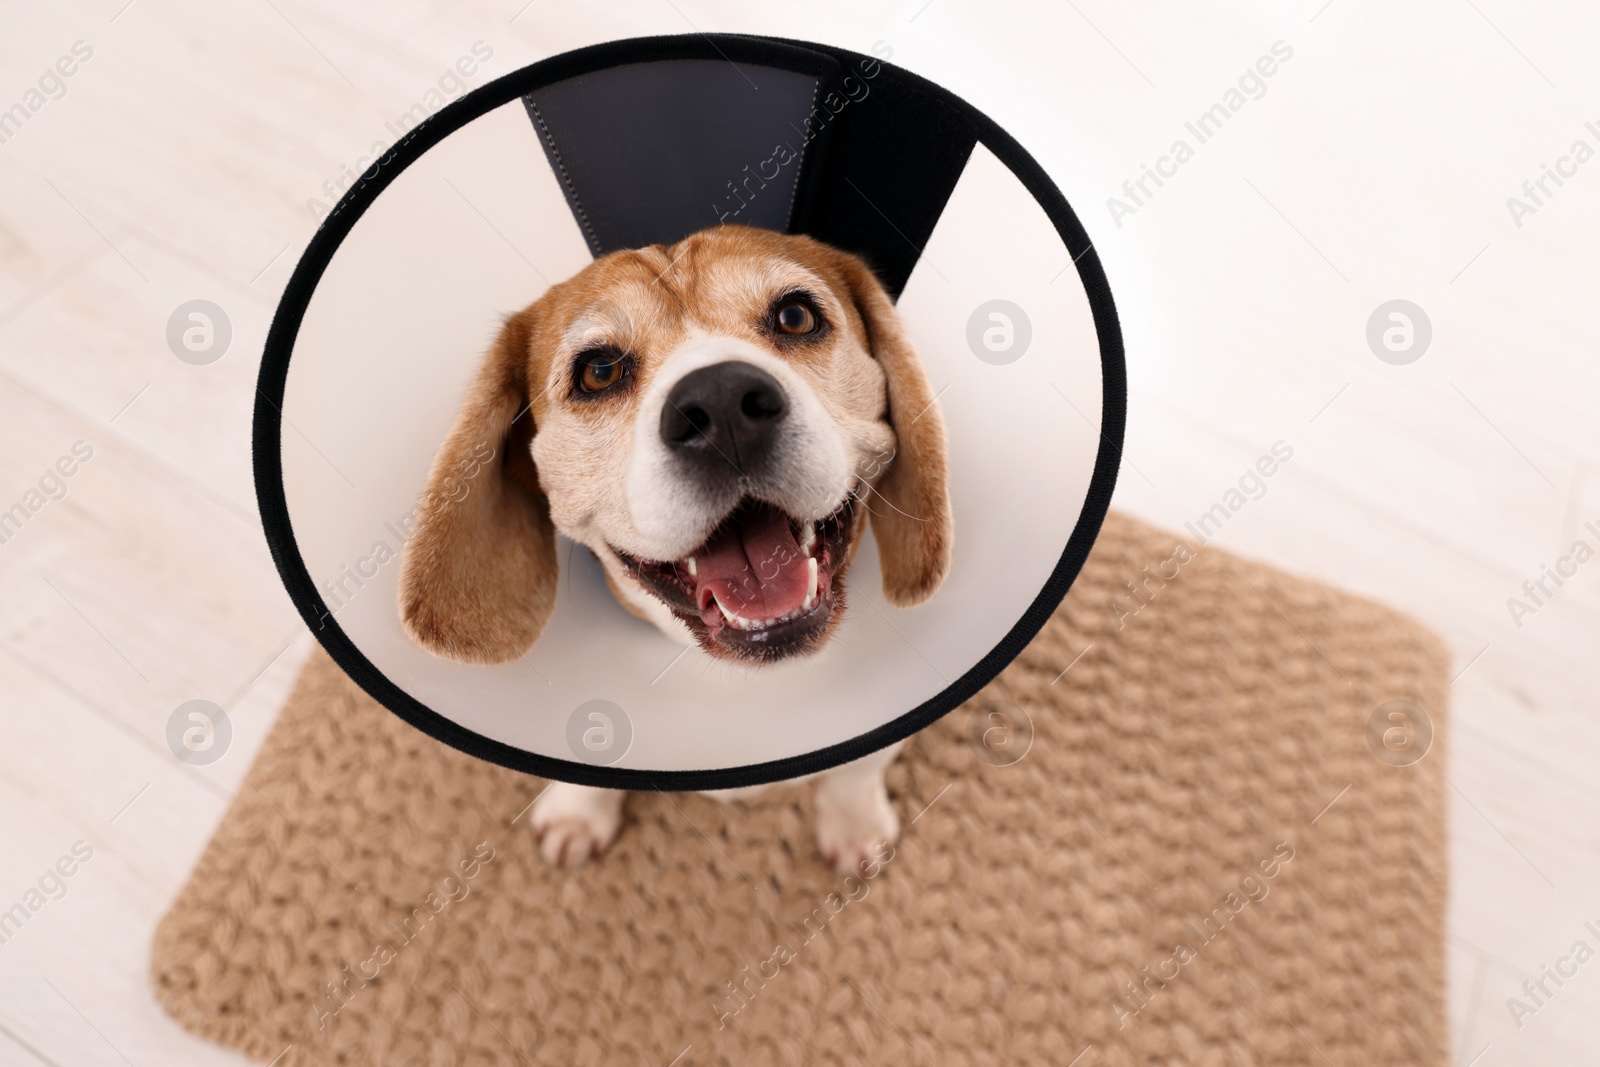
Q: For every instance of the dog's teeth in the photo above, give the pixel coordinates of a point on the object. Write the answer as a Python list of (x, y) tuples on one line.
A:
[(808, 537), (739, 622), (689, 563), (811, 590)]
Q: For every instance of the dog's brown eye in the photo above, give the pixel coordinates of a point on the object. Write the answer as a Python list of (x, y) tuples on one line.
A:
[(794, 318), (600, 370)]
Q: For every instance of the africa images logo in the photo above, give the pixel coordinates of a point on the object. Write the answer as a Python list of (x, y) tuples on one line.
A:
[(49, 87)]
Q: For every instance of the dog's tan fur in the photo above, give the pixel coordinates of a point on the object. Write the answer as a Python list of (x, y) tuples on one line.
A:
[(479, 578), (480, 571)]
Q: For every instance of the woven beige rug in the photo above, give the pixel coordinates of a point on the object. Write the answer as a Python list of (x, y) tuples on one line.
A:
[(1198, 858)]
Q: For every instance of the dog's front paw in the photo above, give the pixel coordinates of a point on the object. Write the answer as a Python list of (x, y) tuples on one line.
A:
[(575, 822), (570, 842), (852, 828)]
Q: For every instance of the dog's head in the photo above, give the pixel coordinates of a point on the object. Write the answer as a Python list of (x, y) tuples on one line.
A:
[(715, 420)]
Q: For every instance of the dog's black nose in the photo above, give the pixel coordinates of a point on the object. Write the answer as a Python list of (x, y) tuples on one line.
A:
[(727, 413)]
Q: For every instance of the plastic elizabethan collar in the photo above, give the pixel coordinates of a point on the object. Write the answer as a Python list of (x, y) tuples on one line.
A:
[(525, 180)]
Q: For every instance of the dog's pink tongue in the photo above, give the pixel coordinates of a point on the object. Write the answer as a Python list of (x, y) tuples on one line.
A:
[(752, 566)]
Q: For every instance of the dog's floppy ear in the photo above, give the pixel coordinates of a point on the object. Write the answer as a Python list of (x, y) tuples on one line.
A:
[(910, 504), (479, 576)]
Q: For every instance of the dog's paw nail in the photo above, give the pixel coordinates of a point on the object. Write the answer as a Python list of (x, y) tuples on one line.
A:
[(569, 842), (853, 858), (850, 835), (855, 845)]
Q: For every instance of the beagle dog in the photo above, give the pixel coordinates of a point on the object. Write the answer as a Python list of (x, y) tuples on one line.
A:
[(717, 421)]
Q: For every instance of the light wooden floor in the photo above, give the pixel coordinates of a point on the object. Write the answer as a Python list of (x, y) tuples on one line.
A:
[(179, 163)]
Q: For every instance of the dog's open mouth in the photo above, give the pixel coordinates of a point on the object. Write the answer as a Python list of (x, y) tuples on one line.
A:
[(765, 585)]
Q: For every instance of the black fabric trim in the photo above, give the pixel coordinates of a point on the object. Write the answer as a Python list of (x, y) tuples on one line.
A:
[(267, 427), (803, 166), (569, 189)]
